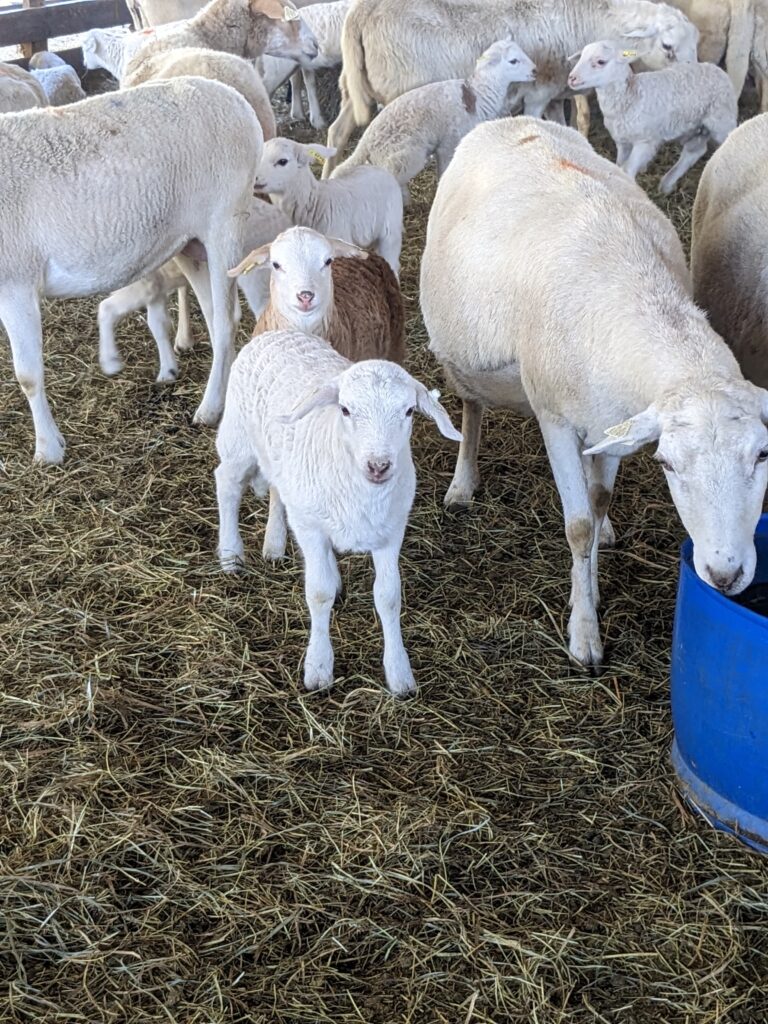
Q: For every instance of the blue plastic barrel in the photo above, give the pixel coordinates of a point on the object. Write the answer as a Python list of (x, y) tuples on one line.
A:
[(720, 702)]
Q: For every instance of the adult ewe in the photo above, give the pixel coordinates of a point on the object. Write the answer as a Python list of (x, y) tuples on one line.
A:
[(103, 201), (623, 360), (389, 48), (729, 255)]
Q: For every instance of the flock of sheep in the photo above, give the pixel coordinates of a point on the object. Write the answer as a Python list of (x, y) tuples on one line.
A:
[(550, 283)]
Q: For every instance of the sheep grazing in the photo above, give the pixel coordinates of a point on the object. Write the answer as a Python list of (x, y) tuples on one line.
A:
[(432, 119), (364, 206), (623, 360), (689, 103), (213, 64), (388, 49), (331, 439), (728, 252), (19, 90), (64, 178), (246, 28), (257, 224), (61, 85)]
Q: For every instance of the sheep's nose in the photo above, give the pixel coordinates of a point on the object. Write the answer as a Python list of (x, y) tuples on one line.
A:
[(573, 81), (378, 469), (725, 581), (533, 71), (305, 299)]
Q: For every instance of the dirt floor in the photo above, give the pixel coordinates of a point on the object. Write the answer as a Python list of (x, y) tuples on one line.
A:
[(186, 836)]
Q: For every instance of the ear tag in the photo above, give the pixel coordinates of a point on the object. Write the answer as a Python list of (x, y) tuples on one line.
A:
[(247, 269), (291, 14), (316, 156), (620, 431), (629, 53)]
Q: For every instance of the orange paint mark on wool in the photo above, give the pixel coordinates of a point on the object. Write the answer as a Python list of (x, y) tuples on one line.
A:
[(567, 165), (528, 138)]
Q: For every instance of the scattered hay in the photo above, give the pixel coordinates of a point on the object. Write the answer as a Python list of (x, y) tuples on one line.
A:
[(186, 836)]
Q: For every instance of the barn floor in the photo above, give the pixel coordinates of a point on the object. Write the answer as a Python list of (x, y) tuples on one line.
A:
[(186, 836)]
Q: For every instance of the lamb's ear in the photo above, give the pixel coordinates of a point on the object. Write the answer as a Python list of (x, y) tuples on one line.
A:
[(764, 405), (318, 152), (574, 56), (256, 258), (641, 33), (274, 9), (428, 404), (629, 436), (347, 249), (326, 395)]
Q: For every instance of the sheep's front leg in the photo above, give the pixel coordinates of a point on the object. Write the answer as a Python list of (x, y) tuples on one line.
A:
[(276, 534), (601, 473), (224, 297), (637, 161), (386, 597), (693, 150), (321, 578), (160, 327), (466, 476), (297, 109), (20, 315), (185, 340), (623, 150), (232, 478), (339, 135), (316, 118), (564, 451)]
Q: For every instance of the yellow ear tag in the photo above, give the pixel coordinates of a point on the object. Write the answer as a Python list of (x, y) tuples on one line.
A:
[(316, 156), (247, 269), (629, 53), (620, 431), (291, 14)]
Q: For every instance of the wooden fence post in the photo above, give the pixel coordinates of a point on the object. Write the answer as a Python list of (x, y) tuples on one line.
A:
[(36, 45)]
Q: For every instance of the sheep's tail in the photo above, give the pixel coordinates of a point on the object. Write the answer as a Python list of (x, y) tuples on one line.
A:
[(741, 32), (353, 61), (354, 159)]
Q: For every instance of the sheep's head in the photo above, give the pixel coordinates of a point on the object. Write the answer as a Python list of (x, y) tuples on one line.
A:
[(281, 162), (600, 64), (375, 401), (505, 60), (276, 28), (668, 36), (713, 449)]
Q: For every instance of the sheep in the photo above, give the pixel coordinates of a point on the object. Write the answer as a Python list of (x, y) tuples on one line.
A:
[(326, 21), (246, 28), (61, 85), (45, 59), (257, 224), (623, 360), (19, 90), (112, 50), (364, 206), (691, 103), (90, 227), (729, 31), (389, 48), (148, 13), (216, 65), (728, 252), (432, 119), (331, 439)]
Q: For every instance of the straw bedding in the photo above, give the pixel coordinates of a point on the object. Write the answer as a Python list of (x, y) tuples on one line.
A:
[(186, 836)]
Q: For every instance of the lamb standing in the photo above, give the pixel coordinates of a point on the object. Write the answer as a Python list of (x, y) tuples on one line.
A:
[(389, 47), (64, 176), (623, 360), (729, 257), (333, 438), (364, 206), (691, 103), (433, 119)]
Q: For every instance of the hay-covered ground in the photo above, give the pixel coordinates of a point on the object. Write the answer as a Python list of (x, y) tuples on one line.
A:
[(187, 836)]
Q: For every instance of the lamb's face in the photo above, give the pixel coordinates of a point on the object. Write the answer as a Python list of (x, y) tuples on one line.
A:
[(278, 30), (677, 40), (505, 61), (281, 161), (600, 64)]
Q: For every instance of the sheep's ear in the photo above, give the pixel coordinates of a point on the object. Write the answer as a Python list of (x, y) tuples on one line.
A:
[(574, 56), (629, 436), (326, 395), (641, 33), (427, 403), (256, 258), (347, 249), (318, 152), (274, 9), (764, 405)]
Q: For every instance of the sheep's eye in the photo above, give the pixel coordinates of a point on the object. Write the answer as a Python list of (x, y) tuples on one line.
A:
[(514, 61), (763, 456), (329, 261), (409, 412), (600, 63), (344, 411), (281, 162), (276, 265), (665, 465), (667, 46)]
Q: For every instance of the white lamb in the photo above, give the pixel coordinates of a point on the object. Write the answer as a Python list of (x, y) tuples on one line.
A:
[(623, 360), (112, 49), (19, 90), (689, 103), (45, 59), (89, 227), (61, 85), (364, 206), (433, 119), (258, 224), (332, 439)]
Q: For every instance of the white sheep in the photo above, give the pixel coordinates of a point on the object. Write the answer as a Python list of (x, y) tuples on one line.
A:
[(112, 49), (45, 59), (729, 255), (61, 85), (325, 21), (690, 103), (90, 227), (389, 47), (431, 120), (19, 90), (731, 32), (623, 360), (364, 206), (246, 28), (258, 224), (331, 439)]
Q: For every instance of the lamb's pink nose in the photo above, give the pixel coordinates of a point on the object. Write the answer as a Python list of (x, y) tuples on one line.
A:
[(574, 81), (305, 300)]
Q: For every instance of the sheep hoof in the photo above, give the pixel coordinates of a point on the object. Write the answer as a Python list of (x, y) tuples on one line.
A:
[(458, 496), (402, 687), (585, 646), (317, 679), (607, 534), (184, 345), (167, 376), (206, 416), (50, 451), (319, 125), (110, 365), (273, 552), (232, 562)]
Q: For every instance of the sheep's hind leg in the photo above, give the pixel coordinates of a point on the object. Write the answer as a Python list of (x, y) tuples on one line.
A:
[(339, 135), (160, 326), (693, 150), (185, 340), (601, 474), (316, 118), (564, 451), (223, 293), (466, 476), (20, 315), (387, 598), (320, 590), (641, 155), (232, 478), (276, 534)]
